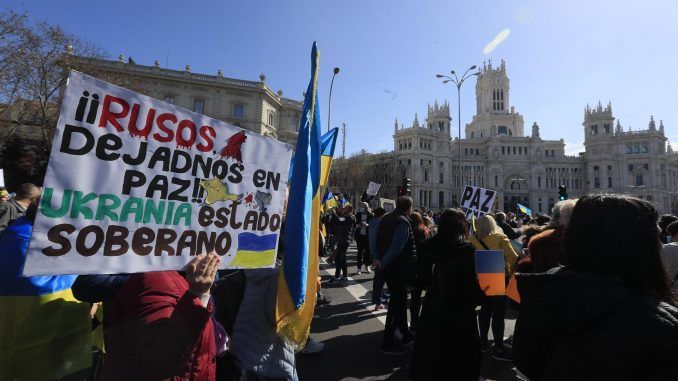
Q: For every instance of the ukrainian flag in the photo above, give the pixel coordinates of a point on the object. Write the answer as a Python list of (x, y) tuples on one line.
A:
[(297, 281), (525, 209), (45, 333), (328, 201), (255, 251)]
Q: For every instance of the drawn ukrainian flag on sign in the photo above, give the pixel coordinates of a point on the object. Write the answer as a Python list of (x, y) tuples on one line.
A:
[(255, 250)]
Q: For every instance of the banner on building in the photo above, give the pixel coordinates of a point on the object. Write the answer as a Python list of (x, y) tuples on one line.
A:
[(373, 188), (477, 201), (136, 184)]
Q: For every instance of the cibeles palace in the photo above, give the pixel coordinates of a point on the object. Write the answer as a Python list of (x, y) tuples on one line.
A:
[(498, 153)]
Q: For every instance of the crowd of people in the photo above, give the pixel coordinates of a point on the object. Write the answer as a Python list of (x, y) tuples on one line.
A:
[(597, 282)]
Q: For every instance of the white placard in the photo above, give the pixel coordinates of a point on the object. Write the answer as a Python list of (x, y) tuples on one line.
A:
[(136, 184), (373, 188), (477, 201)]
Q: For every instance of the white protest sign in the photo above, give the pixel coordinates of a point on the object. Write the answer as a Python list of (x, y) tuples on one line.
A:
[(373, 188), (2, 178), (477, 201), (136, 184)]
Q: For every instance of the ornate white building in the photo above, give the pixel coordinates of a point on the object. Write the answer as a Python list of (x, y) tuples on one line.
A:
[(497, 154)]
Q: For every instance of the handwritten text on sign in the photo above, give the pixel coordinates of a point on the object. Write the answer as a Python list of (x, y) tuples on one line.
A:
[(477, 201), (136, 184)]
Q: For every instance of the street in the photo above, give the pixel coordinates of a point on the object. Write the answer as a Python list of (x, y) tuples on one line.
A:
[(352, 333)]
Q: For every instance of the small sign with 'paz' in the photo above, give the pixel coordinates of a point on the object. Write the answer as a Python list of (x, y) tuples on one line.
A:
[(490, 269)]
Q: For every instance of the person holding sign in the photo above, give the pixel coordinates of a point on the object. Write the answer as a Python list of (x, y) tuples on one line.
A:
[(161, 325), (489, 236), (447, 336)]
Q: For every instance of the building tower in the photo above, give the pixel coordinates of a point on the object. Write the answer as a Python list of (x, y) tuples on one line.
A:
[(494, 114), (598, 122), (438, 118)]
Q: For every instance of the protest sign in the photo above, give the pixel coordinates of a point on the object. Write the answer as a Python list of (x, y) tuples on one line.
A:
[(135, 184), (2, 178), (490, 269), (373, 188), (477, 201)]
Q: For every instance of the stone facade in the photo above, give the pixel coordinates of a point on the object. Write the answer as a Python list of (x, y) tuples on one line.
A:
[(497, 154), (251, 105)]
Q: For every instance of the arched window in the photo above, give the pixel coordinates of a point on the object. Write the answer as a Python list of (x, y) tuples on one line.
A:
[(502, 130)]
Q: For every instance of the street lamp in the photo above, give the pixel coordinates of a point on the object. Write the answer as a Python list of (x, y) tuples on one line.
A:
[(329, 105), (458, 82)]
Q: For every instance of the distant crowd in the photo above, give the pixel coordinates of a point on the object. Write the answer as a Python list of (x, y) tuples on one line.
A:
[(597, 284)]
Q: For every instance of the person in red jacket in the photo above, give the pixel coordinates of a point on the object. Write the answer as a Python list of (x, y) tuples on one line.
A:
[(160, 326)]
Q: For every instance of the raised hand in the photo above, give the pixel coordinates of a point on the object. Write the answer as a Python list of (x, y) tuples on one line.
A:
[(201, 271)]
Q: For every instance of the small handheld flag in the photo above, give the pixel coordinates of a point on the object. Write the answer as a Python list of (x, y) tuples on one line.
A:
[(490, 268)]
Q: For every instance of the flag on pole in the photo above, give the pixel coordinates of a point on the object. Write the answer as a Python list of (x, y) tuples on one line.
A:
[(297, 281), (327, 144)]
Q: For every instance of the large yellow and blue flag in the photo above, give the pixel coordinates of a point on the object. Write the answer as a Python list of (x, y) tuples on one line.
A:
[(297, 281), (329, 201), (45, 333)]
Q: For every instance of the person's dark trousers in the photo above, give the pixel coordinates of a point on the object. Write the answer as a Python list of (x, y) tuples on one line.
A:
[(378, 287), (494, 309), (363, 251), (340, 260), (415, 306), (396, 317)]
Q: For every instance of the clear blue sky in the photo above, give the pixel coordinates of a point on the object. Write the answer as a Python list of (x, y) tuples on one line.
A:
[(560, 55)]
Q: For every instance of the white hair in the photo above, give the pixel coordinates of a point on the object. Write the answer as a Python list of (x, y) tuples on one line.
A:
[(562, 212)]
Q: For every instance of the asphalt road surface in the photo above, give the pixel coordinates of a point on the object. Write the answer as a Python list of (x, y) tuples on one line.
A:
[(352, 331)]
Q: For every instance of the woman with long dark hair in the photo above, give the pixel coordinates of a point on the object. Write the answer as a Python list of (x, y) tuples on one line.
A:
[(610, 313), (447, 340), (421, 234)]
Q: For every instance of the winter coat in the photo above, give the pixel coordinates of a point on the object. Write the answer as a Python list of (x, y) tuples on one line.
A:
[(447, 336), (158, 330), (10, 211), (576, 327), (498, 241), (254, 343), (546, 250)]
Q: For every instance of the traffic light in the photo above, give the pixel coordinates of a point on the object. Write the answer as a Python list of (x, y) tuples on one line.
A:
[(562, 193), (406, 187)]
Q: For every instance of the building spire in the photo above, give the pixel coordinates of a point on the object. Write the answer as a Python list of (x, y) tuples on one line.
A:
[(661, 126), (416, 121), (651, 125)]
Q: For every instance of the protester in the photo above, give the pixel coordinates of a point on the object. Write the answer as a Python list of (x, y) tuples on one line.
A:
[(160, 326), (505, 227), (395, 240), (421, 234), (4, 195), (610, 314), (447, 340), (489, 236), (362, 220), (343, 229), (671, 254), (260, 352), (546, 248), (45, 333), (16, 207), (664, 221), (378, 297), (542, 220)]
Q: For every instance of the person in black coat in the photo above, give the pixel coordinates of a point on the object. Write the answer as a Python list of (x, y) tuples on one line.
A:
[(610, 314), (447, 341)]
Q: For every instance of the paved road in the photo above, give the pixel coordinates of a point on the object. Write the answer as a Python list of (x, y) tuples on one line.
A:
[(352, 334)]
